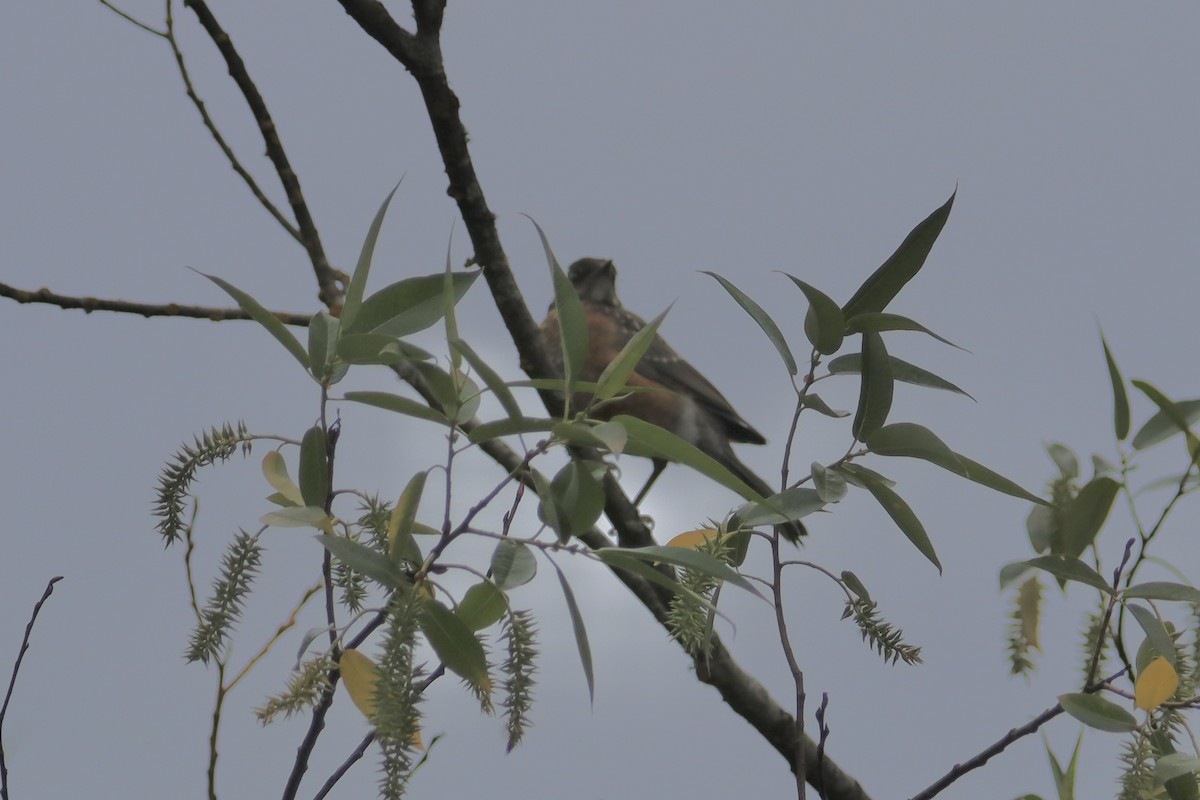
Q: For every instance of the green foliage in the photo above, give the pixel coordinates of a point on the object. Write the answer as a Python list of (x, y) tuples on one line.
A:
[(175, 481)]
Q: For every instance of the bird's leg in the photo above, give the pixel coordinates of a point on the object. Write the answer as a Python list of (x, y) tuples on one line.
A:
[(659, 466)]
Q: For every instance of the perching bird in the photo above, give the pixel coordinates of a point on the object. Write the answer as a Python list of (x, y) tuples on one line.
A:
[(691, 407)]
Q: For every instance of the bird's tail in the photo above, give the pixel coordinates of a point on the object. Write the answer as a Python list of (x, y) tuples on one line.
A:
[(791, 530)]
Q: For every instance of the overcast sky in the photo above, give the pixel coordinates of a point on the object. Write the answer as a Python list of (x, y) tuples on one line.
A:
[(672, 137)]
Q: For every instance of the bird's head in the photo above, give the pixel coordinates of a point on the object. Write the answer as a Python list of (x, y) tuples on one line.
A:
[(595, 279)]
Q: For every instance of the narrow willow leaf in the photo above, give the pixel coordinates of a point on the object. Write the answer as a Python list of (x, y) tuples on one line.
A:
[(1086, 514), (513, 564), (673, 448), (1098, 713), (265, 318), (875, 392), (298, 517), (1156, 633), (1155, 685), (855, 585), (813, 400), (581, 637), (1174, 413), (1161, 426), (887, 281), (322, 344), (482, 606), (398, 404), (401, 545), (857, 475), (911, 440), (378, 348), (1071, 569), (509, 427), (851, 364), (824, 324), (455, 393), (691, 559), (880, 322), (1120, 395), (275, 471), (314, 467), (762, 318), (619, 558), (1163, 590), (358, 281), (613, 379), (456, 645), (360, 558), (790, 504), (409, 305), (980, 474), (572, 325), (491, 378), (359, 674), (903, 516)]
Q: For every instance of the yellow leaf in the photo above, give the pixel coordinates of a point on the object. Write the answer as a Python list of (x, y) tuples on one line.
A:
[(1155, 685), (275, 471), (359, 673), (693, 540)]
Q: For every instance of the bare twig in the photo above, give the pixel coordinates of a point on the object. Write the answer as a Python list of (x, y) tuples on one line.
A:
[(12, 681), (350, 761)]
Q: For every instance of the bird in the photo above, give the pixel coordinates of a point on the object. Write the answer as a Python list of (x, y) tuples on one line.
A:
[(688, 405)]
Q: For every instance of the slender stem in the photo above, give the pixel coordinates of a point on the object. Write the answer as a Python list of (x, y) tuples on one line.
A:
[(799, 766)]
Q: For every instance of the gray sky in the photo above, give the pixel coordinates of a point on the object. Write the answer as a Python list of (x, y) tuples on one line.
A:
[(673, 138)]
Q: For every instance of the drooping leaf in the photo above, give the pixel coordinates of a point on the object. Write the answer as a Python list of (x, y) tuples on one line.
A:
[(1174, 413), (790, 504), (358, 281), (1156, 633), (1155, 684), (298, 517), (513, 564), (879, 322), (581, 637), (1096, 712), (409, 305), (886, 282), (1163, 426), (851, 364), (360, 558), (1120, 395), (978, 473), (377, 348), (673, 448), (275, 471), (1163, 590), (1086, 514), (509, 427), (483, 605), (824, 324), (902, 515), (265, 318), (813, 400), (763, 319), (1070, 568), (455, 644), (314, 467), (401, 405), (911, 440), (875, 392)]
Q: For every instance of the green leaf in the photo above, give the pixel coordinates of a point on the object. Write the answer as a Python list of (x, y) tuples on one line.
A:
[(265, 318), (513, 564), (457, 394), (577, 496), (581, 637), (830, 484), (790, 504), (1010, 573), (1120, 395), (887, 281), (455, 645), (401, 544), (401, 405), (358, 281), (1070, 568), (377, 348), (685, 557), (824, 324), (851, 364), (1174, 765), (671, 447), (322, 344), (572, 325), (857, 475), (1064, 780), (875, 394), (1098, 713), (901, 514), (297, 517), (366, 561), (813, 400), (1065, 459), (762, 318), (1163, 426), (1156, 632), (1086, 514), (487, 431), (1174, 412), (980, 474), (314, 467), (1042, 527), (274, 469), (855, 585), (619, 558), (408, 306), (911, 440), (482, 606), (1163, 590), (879, 322), (612, 434), (613, 379), (491, 378)]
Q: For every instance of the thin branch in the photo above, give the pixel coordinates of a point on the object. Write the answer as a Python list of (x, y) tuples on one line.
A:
[(90, 304), (350, 761), (132, 19), (327, 278), (12, 681)]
